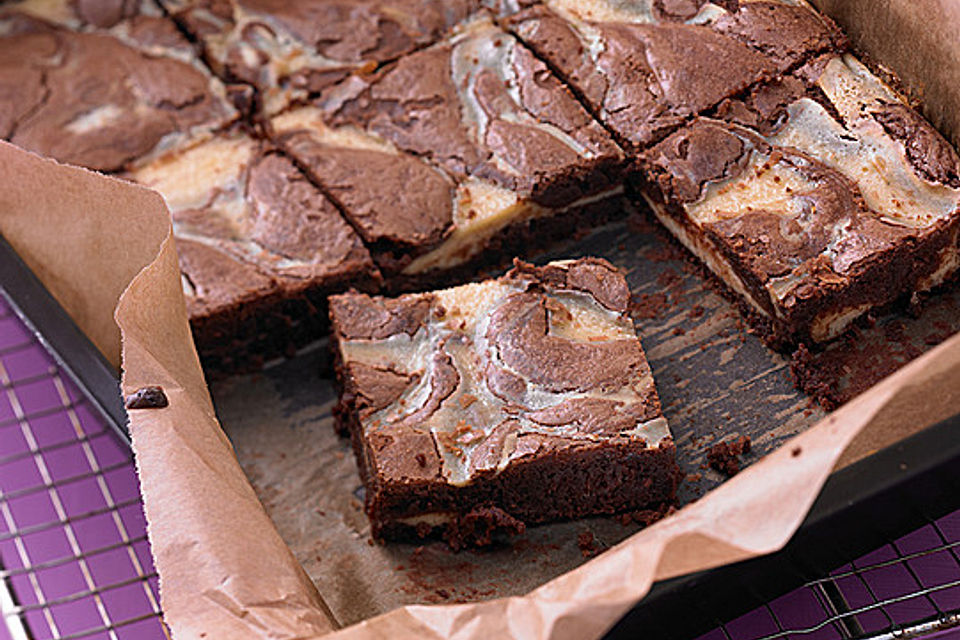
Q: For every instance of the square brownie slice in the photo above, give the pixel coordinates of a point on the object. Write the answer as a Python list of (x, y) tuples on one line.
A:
[(455, 151), (260, 248), (103, 86), (493, 405), (646, 67), (290, 51), (816, 199)]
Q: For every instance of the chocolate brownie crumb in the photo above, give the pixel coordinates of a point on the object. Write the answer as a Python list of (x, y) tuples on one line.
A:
[(647, 517), (151, 397), (803, 371), (587, 544), (478, 527), (723, 456), (647, 306)]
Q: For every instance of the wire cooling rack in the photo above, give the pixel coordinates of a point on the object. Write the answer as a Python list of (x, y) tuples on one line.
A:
[(74, 556), (909, 588), (75, 560)]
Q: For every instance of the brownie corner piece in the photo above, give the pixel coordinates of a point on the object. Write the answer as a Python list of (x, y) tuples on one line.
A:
[(819, 201), (494, 405)]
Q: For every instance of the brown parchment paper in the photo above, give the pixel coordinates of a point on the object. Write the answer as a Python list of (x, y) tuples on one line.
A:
[(917, 39), (225, 572)]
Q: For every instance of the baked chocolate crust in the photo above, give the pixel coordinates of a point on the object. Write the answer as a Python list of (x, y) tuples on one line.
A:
[(260, 248), (501, 395), (293, 50), (63, 101), (795, 216), (645, 69), (372, 187)]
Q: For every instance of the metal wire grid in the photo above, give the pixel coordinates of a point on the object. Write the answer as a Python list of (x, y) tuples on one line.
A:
[(906, 589), (74, 557)]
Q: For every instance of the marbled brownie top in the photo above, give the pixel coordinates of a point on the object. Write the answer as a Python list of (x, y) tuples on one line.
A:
[(809, 181), (645, 67), (249, 224), (482, 129), (104, 86), (290, 50), (460, 383)]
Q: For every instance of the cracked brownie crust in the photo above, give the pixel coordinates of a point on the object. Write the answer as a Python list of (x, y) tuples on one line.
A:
[(506, 398), (260, 247), (819, 210), (61, 99)]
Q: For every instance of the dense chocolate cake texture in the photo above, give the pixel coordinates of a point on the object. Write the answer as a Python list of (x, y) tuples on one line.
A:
[(438, 156), (501, 403)]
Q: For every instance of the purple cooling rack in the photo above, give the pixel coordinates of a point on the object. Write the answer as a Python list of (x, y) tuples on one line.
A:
[(75, 561), (909, 588), (74, 556)]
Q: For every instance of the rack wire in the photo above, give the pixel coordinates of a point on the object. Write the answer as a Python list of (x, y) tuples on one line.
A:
[(75, 560), (74, 556), (909, 588)]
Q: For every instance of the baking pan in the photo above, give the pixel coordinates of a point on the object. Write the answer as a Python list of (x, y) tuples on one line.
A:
[(716, 379), (61, 337), (692, 335)]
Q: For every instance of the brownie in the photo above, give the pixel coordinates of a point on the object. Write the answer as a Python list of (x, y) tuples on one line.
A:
[(436, 156), (102, 85), (292, 50), (503, 403), (260, 248), (94, 15), (424, 141), (815, 199), (646, 67)]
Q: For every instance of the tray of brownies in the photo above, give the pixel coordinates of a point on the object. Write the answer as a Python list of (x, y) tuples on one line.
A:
[(483, 288)]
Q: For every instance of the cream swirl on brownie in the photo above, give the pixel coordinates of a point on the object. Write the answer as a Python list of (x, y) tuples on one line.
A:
[(503, 394)]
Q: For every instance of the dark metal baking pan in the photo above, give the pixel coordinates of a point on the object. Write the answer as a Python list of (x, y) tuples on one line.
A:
[(61, 337), (874, 500)]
